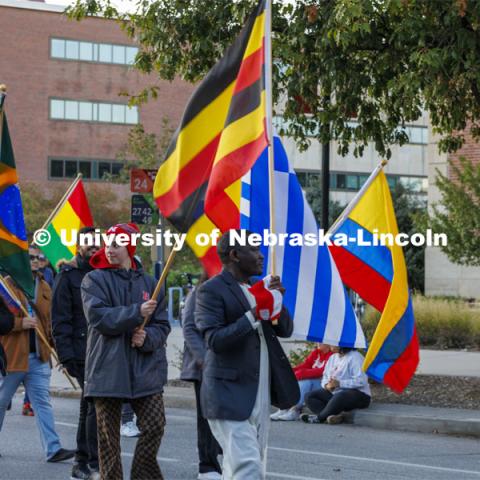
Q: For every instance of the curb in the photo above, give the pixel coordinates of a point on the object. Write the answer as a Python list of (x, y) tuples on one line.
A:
[(412, 422), (379, 416)]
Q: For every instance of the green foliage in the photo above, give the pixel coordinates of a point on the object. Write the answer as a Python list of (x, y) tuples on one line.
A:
[(142, 150), (458, 214), (409, 209), (314, 198), (377, 62), (441, 323), (296, 357)]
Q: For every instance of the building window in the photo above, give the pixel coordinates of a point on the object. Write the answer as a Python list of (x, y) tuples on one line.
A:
[(90, 169), (309, 179), (93, 111), (343, 181), (92, 52)]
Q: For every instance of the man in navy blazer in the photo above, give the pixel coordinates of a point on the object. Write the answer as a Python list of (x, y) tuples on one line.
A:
[(245, 368)]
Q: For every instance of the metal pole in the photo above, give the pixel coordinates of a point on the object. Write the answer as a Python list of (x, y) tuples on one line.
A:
[(325, 184)]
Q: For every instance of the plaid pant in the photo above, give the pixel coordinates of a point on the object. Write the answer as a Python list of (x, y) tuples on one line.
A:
[(151, 423)]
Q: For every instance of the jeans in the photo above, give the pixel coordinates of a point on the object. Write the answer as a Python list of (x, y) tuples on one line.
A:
[(127, 413), (323, 403), (37, 383), (306, 386)]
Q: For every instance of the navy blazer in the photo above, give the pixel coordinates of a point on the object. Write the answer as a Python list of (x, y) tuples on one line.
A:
[(232, 361)]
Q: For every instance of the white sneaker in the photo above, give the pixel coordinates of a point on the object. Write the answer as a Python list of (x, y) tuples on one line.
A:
[(274, 416), (290, 416), (209, 476), (129, 429)]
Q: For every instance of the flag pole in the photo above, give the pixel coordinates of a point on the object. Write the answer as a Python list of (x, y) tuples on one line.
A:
[(61, 203), (3, 96), (161, 280), (40, 334), (269, 121), (353, 203)]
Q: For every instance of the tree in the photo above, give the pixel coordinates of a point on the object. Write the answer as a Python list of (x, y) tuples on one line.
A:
[(314, 198), (409, 210), (378, 62), (458, 212), (142, 150)]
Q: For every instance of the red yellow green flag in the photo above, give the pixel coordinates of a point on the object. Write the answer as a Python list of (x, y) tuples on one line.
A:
[(72, 215)]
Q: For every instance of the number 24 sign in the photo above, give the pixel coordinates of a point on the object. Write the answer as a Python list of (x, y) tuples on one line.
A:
[(142, 180)]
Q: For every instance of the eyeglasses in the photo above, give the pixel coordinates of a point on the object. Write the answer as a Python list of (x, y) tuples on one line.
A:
[(37, 257)]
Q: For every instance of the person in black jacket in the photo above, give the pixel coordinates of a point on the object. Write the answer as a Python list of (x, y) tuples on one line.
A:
[(70, 335), (245, 368), (193, 357), (125, 361)]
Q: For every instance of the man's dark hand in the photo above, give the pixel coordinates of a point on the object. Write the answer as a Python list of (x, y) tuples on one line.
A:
[(276, 284)]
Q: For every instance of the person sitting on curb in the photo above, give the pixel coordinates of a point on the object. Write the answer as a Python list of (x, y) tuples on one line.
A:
[(309, 375), (344, 388)]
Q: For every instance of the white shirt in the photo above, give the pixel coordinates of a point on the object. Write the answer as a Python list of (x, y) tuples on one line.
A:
[(347, 370)]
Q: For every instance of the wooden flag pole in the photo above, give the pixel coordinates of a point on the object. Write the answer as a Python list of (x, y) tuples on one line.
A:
[(39, 333), (62, 201), (162, 279), (269, 118)]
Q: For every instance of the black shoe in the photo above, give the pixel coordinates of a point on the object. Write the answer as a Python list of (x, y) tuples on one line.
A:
[(62, 455), (80, 472), (305, 417)]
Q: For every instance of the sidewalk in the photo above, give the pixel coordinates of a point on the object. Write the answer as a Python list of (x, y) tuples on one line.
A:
[(383, 416), (410, 418)]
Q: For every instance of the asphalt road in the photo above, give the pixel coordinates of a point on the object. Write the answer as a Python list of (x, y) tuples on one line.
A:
[(296, 451)]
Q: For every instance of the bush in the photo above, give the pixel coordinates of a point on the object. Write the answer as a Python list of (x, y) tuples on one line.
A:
[(441, 323), (297, 356)]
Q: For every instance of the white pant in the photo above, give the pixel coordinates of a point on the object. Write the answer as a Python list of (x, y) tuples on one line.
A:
[(244, 447)]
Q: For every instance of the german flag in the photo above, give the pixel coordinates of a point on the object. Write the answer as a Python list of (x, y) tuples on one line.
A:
[(221, 135), (14, 258)]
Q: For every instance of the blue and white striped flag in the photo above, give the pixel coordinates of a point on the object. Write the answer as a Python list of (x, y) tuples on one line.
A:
[(315, 295)]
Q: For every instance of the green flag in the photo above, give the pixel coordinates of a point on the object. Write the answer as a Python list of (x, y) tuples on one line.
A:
[(14, 259)]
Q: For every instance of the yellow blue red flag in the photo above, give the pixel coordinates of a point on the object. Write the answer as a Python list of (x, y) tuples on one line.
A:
[(378, 274)]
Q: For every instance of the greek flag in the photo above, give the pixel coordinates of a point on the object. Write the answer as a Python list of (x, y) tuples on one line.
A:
[(315, 295)]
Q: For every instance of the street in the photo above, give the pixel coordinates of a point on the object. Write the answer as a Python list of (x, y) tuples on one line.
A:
[(296, 451)]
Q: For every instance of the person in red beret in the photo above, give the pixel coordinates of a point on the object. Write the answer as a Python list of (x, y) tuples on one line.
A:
[(124, 360)]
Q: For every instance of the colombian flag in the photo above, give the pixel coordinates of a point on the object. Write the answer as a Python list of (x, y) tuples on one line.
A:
[(14, 258), (221, 135), (379, 275), (73, 214)]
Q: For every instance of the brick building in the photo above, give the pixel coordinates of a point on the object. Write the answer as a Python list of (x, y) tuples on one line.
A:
[(63, 105)]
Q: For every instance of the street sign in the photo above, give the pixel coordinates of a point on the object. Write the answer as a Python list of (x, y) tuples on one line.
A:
[(142, 180), (143, 211)]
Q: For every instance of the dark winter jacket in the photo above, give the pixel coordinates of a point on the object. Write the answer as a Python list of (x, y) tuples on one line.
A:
[(113, 368), (194, 348), (68, 320)]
